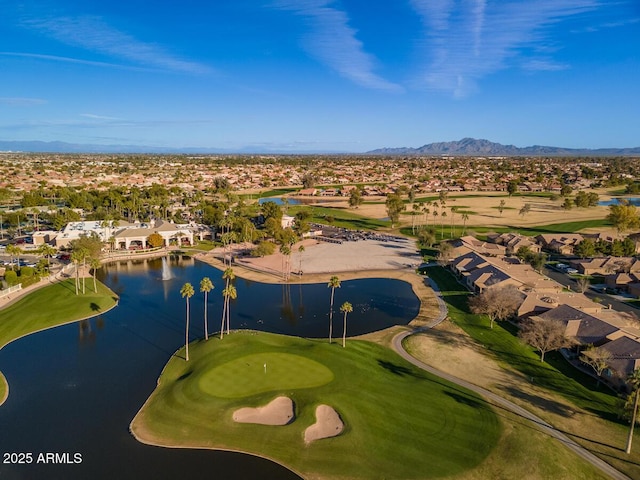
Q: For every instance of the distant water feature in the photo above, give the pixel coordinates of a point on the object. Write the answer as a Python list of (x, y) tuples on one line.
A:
[(280, 201), (86, 381), (298, 201), (166, 270), (615, 201)]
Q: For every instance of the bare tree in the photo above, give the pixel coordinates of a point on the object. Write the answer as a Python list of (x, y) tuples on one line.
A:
[(497, 302), (583, 284), (597, 358), (544, 335), (445, 252), (525, 209)]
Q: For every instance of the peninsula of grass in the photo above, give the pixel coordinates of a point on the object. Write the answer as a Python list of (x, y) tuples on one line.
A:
[(555, 375), (50, 306), (400, 422)]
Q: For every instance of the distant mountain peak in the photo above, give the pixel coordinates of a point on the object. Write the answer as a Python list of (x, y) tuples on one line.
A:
[(481, 147)]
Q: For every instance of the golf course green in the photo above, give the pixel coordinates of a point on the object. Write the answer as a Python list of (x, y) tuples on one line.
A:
[(400, 422), (266, 372)]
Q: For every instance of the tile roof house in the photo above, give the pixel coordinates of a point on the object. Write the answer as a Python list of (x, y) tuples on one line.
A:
[(625, 358), (559, 242), (621, 281), (584, 328), (480, 271), (604, 265), (538, 302), (513, 241)]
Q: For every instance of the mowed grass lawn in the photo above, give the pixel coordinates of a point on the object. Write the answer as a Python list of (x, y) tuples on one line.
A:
[(400, 422), (51, 306), (342, 217)]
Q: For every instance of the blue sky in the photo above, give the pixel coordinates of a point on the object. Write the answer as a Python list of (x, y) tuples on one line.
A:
[(320, 75)]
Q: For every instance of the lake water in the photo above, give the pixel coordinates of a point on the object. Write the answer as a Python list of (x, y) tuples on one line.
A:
[(75, 388), (615, 201), (300, 201)]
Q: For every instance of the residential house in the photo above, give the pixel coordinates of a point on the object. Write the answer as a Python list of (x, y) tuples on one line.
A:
[(605, 265), (562, 243), (514, 241), (584, 328), (625, 358), (536, 303), (621, 281)]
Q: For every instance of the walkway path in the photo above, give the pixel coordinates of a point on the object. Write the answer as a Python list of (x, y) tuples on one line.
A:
[(496, 399)]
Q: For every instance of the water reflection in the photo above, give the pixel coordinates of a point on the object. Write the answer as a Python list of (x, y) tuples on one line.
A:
[(75, 388)]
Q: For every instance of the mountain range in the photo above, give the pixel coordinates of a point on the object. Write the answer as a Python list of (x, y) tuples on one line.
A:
[(479, 147), (64, 147), (464, 147)]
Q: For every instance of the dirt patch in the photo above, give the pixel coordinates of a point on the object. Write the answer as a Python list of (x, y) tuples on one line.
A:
[(482, 209), (449, 349)]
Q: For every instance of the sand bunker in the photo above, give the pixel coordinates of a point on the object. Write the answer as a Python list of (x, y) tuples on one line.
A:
[(328, 424), (277, 412)]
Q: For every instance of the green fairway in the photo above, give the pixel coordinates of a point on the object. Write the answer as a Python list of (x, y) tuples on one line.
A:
[(403, 421), (48, 307), (341, 217), (263, 372)]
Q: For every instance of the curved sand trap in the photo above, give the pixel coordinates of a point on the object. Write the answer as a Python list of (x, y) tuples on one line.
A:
[(328, 424), (277, 412)]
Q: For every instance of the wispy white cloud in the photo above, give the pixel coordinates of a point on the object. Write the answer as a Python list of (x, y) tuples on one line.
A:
[(544, 65), (80, 61), (21, 101), (101, 124), (94, 34), (99, 117), (333, 42), (465, 40), (602, 26)]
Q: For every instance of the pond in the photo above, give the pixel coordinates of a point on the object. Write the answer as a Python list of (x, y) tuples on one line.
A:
[(75, 388), (617, 200), (299, 201)]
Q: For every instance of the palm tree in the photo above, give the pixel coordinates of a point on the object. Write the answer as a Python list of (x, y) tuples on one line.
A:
[(465, 217), (187, 292), (94, 264), (205, 287), (78, 255), (345, 308), (416, 211), (300, 252), (13, 250), (286, 255), (228, 276), (229, 293), (453, 223), (48, 251), (334, 282), (426, 211), (634, 382)]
